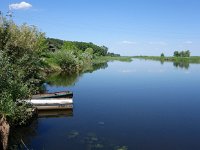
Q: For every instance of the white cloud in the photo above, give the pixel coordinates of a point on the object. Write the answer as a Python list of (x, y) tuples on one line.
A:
[(129, 42), (158, 43), (188, 42), (22, 5)]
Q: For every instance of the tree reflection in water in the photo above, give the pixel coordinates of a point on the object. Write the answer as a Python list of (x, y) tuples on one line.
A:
[(182, 64), (179, 64), (67, 79)]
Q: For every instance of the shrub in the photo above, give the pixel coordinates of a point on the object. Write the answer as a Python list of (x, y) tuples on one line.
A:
[(21, 48), (162, 55), (67, 60)]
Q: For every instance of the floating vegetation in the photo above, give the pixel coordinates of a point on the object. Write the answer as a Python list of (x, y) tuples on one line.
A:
[(99, 146), (92, 142), (122, 148), (73, 134)]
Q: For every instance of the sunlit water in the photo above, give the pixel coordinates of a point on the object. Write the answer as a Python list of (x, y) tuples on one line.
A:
[(142, 105)]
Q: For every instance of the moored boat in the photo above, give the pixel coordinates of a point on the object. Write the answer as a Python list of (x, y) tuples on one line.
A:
[(64, 94), (52, 103), (54, 107)]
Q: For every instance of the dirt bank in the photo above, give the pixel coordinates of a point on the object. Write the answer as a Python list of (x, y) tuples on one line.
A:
[(4, 133)]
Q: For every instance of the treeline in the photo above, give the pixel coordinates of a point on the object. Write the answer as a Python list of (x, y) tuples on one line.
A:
[(73, 56), (57, 44), (182, 53), (179, 54), (113, 54)]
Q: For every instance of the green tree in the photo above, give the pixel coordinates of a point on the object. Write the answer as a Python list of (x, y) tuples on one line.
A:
[(182, 53), (162, 55), (187, 53), (176, 54)]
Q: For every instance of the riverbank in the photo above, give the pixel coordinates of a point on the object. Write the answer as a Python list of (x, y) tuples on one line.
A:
[(192, 59), (4, 133), (52, 66)]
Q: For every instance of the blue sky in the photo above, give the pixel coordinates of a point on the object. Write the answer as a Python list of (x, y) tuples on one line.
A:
[(128, 27)]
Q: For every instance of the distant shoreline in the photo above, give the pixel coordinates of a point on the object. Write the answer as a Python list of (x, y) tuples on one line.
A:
[(191, 59)]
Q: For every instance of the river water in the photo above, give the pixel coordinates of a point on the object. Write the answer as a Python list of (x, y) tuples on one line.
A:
[(138, 105)]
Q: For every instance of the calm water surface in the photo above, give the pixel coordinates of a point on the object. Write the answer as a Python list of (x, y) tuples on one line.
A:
[(142, 105)]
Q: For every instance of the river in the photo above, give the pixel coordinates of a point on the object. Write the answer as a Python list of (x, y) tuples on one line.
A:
[(138, 105)]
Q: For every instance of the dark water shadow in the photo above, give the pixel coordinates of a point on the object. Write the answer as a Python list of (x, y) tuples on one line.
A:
[(18, 136), (21, 135)]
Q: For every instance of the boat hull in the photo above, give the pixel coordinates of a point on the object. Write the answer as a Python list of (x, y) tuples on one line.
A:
[(54, 107), (66, 94), (52, 103)]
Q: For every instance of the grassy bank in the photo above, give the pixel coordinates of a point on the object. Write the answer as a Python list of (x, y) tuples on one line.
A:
[(191, 59), (112, 58), (53, 66)]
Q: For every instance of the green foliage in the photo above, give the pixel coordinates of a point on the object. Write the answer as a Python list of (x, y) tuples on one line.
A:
[(113, 54), (67, 60), (71, 59), (176, 54), (182, 53), (89, 51), (72, 56), (21, 48), (87, 56), (56, 44), (162, 55)]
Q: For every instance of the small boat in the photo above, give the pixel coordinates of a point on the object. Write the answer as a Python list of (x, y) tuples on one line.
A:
[(54, 107), (64, 94), (52, 103)]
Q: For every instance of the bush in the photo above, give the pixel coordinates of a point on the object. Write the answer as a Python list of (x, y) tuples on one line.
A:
[(21, 48), (67, 60)]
